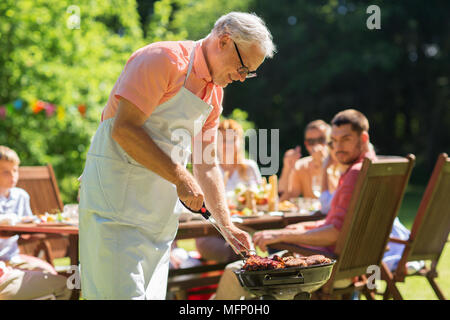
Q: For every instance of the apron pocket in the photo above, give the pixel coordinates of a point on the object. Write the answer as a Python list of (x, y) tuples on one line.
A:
[(113, 177), (150, 199)]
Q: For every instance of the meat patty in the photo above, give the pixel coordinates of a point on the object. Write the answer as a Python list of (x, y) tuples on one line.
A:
[(255, 263), (317, 259), (295, 262)]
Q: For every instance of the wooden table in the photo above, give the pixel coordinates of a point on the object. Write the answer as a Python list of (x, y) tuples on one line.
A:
[(202, 228), (186, 230), (27, 228)]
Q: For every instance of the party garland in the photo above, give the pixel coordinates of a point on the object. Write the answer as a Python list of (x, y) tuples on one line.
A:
[(39, 106)]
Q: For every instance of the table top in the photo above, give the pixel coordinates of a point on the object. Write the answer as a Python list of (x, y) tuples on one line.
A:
[(186, 230), (40, 228), (202, 228)]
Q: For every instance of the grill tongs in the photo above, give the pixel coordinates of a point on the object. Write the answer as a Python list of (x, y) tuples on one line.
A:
[(206, 214)]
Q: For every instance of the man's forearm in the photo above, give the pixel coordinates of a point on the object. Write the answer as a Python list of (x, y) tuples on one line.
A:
[(210, 180), (323, 236), (137, 143)]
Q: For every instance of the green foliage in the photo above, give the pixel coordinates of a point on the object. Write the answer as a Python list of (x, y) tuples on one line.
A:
[(43, 59), (327, 60), (241, 117), (189, 19)]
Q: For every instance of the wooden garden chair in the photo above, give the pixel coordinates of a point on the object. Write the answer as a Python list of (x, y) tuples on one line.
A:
[(429, 232), (362, 241), (41, 185)]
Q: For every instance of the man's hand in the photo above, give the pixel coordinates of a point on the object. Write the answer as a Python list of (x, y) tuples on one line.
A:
[(241, 235), (291, 156), (319, 153), (175, 261), (263, 238), (297, 226)]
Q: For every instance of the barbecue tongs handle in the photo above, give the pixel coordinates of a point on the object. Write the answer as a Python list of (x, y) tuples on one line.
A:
[(203, 211), (206, 214)]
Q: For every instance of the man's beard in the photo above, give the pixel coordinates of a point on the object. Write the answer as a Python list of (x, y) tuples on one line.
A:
[(354, 159)]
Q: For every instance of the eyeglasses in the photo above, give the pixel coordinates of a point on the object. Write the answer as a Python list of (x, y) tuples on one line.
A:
[(244, 71), (312, 142)]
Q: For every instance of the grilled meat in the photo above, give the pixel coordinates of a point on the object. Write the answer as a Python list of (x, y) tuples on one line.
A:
[(295, 262), (255, 263), (317, 259)]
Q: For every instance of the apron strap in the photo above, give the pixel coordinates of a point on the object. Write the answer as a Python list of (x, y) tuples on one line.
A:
[(191, 63)]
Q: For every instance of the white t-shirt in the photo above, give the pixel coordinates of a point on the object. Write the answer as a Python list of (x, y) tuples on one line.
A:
[(17, 203), (253, 176)]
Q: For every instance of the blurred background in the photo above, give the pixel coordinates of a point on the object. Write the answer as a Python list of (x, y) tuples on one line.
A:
[(59, 61)]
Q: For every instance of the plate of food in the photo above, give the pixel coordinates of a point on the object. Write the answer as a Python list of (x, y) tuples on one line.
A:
[(245, 213), (286, 206), (54, 220)]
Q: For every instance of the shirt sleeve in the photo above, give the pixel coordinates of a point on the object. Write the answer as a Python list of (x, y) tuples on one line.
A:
[(27, 208), (341, 200), (23, 205), (146, 78)]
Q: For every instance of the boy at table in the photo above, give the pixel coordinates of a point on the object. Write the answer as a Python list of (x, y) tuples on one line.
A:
[(22, 277)]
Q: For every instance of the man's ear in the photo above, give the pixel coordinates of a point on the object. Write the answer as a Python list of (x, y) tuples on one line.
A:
[(223, 40), (365, 137)]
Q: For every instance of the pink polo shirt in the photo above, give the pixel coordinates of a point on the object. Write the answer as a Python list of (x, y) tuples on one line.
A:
[(156, 72), (343, 195)]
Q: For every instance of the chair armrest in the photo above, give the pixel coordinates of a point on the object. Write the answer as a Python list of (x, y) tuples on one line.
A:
[(397, 240), (302, 250)]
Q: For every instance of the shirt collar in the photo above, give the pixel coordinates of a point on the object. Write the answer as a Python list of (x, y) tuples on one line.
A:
[(200, 66), (12, 195)]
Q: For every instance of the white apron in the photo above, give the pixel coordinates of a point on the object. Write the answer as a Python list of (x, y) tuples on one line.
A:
[(127, 219)]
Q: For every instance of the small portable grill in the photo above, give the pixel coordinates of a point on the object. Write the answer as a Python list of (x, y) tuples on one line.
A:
[(291, 283)]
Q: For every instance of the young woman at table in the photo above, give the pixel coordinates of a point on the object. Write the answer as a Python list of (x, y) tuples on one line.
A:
[(235, 169), (22, 277)]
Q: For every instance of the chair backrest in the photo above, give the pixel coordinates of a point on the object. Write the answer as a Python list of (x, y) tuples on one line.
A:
[(40, 183), (373, 207), (431, 226)]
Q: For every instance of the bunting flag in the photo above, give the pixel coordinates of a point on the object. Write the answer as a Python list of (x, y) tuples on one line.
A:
[(38, 106)]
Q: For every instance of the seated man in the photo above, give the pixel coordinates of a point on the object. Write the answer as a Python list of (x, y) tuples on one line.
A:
[(302, 177), (350, 141), (22, 277)]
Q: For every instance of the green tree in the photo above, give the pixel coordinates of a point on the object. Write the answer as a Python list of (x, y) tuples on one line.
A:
[(188, 19), (328, 60), (42, 58)]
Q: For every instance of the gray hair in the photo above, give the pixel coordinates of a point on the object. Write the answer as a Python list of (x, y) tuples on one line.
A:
[(245, 28)]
